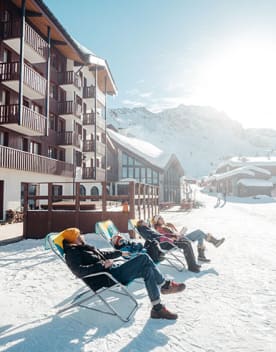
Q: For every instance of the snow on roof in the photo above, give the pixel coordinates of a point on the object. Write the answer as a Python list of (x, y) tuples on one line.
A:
[(141, 148), (239, 170), (254, 182), (257, 160)]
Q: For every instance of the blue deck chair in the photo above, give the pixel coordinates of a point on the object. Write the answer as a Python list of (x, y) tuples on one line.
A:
[(173, 255), (54, 242)]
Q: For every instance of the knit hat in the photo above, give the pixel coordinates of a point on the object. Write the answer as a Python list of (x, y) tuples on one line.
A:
[(118, 241), (155, 219), (70, 234)]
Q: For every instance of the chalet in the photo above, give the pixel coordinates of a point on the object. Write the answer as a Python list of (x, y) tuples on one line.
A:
[(247, 176), (52, 103), (130, 158)]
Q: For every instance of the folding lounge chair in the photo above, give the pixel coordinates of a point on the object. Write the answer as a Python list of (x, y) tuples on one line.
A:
[(171, 257), (54, 243), (107, 229)]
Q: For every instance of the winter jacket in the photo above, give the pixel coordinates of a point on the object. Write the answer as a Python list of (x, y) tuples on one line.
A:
[(84, 260), (149, 234)]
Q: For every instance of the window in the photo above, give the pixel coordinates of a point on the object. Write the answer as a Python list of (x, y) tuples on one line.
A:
[(124, 159), (94, 191), (35, 148), (1, 138), (149, 175), (82, 190), (124, 175), (130, 172), (52, 152), (155, 180)]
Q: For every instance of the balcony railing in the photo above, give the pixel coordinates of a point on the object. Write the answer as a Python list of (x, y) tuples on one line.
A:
[(88, 173), (30, 119), (17, 159), (9, 71), (88, 119), (12, 30), (88, 146), (69, 138), (69, 108), (88, 92), (69, 77)]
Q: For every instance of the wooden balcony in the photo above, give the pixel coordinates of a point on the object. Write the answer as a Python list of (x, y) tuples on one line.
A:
[(88, 173), (88, 146), (32, 124), (88, 119), (89, 92), (69, 109), (69, 138), (69, 80), (35, 50), (34, 85), (18, 160)]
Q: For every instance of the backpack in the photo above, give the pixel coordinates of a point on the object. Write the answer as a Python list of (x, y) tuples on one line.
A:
[(154, 251)]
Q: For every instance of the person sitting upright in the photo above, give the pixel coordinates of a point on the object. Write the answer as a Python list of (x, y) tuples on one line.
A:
[(167, 240), (198, 235), (84, 260)]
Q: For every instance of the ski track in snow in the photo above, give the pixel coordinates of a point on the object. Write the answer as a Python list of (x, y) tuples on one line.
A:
[(229, 306)]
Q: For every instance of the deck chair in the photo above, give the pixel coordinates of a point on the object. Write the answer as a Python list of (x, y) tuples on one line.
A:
[(107, 229), (53, 242), (173, 255)]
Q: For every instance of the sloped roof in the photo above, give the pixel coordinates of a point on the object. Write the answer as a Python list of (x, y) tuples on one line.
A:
[(257, 160), (142, 149), (255, 182), (239, 170)]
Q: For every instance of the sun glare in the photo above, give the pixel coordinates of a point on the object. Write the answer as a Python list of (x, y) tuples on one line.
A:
[(241, 80)]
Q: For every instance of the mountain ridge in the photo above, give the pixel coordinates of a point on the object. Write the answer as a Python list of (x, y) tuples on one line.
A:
[(200, 136)]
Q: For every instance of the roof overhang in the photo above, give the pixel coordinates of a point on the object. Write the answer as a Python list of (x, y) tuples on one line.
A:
[(61, 39)]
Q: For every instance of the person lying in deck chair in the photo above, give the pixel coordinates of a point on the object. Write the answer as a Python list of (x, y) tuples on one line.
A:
[(168, 241), (84, 259), (168, 229)]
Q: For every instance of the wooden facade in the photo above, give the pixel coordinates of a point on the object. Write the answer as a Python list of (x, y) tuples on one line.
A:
[(52, 101)]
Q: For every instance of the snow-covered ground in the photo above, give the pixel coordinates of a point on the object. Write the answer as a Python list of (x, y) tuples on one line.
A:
[(229, 306)]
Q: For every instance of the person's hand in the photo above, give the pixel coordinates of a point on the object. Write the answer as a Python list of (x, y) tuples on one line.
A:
[(126, 254), (108, 263)]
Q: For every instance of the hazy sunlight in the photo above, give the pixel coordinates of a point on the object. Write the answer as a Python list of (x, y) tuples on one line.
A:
[(241, 80)]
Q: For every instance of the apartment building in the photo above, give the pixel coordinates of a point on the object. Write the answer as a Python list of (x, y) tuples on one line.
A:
[(52, 104)]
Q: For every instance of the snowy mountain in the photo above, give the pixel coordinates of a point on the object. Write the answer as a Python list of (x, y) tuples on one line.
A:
[(201, 137)]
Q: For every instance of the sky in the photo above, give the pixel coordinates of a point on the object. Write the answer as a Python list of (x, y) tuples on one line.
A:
[(163, 53)]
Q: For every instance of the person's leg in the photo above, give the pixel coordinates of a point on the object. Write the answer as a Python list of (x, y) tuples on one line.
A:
[(141, 267), (188, 254), (197, 235)]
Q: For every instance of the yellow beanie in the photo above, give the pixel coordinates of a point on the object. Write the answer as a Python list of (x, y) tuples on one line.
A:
[(69, 235)]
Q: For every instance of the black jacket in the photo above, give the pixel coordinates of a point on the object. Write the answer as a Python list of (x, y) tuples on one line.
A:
[(84, 260)]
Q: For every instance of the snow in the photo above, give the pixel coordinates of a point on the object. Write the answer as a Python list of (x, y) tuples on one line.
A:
[(201, 137), (253, 182), (144, 149), (229, 306)]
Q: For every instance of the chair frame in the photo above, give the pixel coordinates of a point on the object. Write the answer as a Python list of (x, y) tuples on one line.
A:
[(173, 259), (79, 300)]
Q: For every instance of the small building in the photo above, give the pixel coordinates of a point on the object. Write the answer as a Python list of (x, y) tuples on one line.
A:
[(132, 158), (244, 177)]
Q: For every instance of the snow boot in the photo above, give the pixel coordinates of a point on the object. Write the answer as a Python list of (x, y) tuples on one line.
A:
[(190, 257), (214, 241), (201, 254)]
